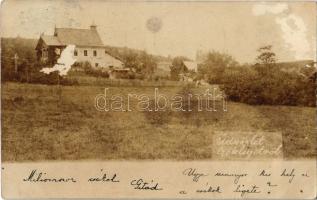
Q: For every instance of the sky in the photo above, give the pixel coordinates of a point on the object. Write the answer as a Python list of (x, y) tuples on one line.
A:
[(175, 28)]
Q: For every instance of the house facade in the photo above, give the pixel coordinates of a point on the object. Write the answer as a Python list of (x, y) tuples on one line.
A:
[(89, 47)]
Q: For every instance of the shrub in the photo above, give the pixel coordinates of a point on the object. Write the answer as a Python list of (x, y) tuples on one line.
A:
[(89, 70), (268, 86)]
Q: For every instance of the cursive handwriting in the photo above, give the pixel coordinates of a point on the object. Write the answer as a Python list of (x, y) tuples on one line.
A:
[(105, 178), (289, 174), (243, 190), (36, 176), (264, 173), (193, 173), (216, 189), (237, 176), (141, 184)]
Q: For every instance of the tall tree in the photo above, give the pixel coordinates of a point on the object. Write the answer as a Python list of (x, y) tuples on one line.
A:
[(266, 60), (266, 55)]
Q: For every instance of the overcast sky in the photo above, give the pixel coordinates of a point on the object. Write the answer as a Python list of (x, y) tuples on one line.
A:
[(235, 28)]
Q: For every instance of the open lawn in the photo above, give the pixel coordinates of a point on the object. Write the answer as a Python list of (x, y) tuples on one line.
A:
[(36, 125)]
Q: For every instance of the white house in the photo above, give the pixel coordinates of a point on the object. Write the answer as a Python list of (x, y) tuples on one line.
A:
[(89, 47)]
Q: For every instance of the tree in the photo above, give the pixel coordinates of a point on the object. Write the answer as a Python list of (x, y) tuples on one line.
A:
[(266, 60), (140, 62), (266, 56), (148, 64), (214, 66), (130, 59), (178, 67), (24, 48)]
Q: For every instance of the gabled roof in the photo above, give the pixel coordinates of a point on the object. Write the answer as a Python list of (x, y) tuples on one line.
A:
[(190, 65), (78, 37), (112, 55), (50, 40)]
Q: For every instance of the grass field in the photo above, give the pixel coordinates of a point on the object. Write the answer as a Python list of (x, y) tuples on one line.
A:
[(37, 126)]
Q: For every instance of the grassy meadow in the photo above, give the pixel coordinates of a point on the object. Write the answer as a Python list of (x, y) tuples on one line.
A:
[(38, 125)]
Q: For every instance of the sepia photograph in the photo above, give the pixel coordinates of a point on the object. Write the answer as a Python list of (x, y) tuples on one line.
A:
[(151, 81)]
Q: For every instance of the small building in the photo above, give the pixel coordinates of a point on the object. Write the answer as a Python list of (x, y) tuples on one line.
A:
[(189, 72), (89, 47), (120, 73), (190, 65)]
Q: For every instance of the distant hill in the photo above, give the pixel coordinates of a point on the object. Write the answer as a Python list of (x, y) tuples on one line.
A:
[(295, 65), (119, 52), (304, 68), (300, 67), (26, 42), (24, 48)]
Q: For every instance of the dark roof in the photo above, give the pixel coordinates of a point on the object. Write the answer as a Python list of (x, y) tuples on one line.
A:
[(78, 37)]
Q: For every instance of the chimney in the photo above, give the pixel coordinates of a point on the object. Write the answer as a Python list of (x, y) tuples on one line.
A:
[(55, 32), (93, 26)]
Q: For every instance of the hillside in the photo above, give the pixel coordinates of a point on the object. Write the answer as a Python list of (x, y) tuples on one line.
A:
[(38, 126)]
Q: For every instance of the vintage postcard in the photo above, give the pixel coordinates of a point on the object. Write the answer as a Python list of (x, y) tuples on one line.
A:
[(158, 99)]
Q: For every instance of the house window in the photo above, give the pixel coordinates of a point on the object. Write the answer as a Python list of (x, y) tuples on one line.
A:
[(75, 53), (85, 53), (96, 64), (44, 53), (95, 53)]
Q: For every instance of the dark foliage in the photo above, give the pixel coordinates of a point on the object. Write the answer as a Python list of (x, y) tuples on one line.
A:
[(270, 86), (24, 49), (178, 67), (263, 83)]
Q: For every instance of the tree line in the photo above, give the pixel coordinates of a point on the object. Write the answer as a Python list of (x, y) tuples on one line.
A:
[(265, 82)]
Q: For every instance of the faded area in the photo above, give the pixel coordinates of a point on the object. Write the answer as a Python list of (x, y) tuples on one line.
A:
[(290, 27), (64, 62), (293, 27)]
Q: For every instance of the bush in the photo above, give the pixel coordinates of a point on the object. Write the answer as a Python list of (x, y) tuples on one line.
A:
[(139, 76), (89, 70), (131, 75), (268, 86)]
